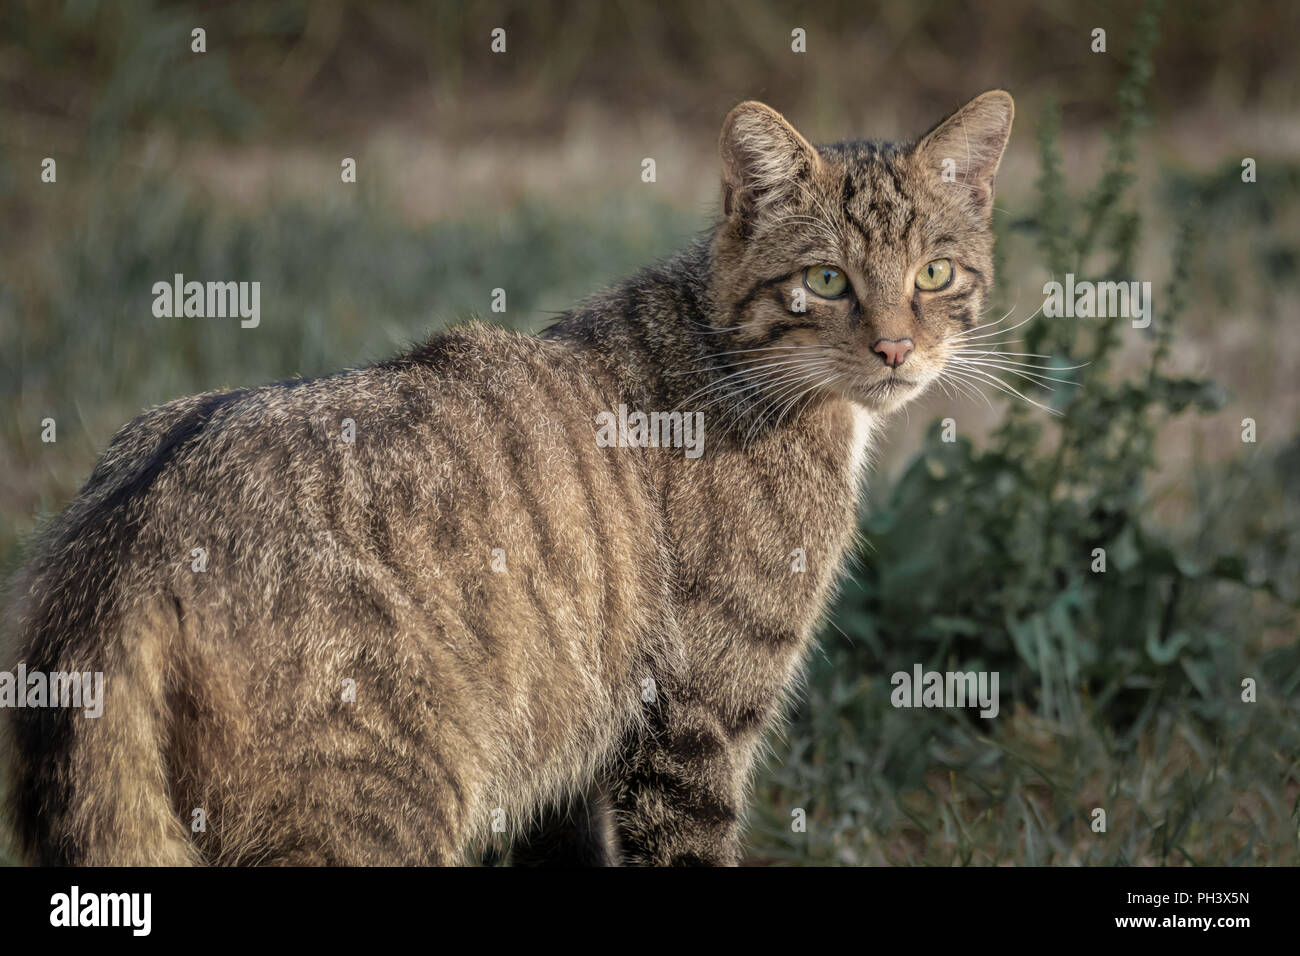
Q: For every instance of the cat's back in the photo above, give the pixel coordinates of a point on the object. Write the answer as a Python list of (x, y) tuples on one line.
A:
[(455, 490)]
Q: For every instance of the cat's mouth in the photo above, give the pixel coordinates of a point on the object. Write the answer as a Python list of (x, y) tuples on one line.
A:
[(893, 383), (887, 392)]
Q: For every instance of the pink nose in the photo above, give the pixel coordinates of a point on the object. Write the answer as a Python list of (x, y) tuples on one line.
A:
[(893, 351)]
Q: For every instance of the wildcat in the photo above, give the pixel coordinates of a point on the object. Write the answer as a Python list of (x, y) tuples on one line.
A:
[(374, 617)]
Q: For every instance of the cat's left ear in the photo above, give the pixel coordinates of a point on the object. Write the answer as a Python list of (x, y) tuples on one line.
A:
[(966, 148)]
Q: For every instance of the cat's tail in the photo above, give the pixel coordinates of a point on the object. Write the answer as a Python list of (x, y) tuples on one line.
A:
[(86, 775)]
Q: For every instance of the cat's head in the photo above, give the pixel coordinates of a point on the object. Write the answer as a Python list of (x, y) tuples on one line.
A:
[(855, 267)]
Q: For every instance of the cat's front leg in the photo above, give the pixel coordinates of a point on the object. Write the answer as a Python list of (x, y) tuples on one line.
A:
[(681, 788)]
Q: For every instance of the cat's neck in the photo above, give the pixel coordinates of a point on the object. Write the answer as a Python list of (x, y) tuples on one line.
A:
[(642, 332)]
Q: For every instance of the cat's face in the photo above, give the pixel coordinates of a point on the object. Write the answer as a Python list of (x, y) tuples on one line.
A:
[(858, 268)]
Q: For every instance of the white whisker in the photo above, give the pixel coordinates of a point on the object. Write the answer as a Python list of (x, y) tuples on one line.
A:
[(1030, 376), (1003, 386)]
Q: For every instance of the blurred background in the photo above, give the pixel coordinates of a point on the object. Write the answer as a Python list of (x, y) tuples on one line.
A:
[(1121, 690)]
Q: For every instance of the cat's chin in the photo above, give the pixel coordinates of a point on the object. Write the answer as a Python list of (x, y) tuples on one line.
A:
[(887, 394)]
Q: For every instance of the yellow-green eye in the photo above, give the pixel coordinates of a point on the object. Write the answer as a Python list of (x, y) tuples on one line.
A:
[(934, 275), (825, 281)]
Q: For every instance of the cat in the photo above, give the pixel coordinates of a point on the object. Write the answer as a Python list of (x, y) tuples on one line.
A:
[(378, 617)]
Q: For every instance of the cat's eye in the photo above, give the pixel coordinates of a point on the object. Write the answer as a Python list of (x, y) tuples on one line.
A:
[(825, 281), (934, 275)]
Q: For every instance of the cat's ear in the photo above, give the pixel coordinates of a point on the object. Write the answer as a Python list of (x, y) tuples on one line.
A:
[(964, 151), (765, 162)]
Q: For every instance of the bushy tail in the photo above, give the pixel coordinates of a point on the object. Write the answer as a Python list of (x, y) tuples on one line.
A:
[(93, 790)]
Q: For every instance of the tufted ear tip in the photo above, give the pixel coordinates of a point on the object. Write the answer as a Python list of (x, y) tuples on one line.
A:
[(746, 110), (996, 100), (764, 158), (967, 147)]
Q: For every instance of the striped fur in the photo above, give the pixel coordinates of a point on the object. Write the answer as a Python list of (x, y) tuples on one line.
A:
[(601, 694)]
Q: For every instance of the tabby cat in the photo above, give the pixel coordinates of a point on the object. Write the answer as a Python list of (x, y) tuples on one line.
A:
[(376, 617)]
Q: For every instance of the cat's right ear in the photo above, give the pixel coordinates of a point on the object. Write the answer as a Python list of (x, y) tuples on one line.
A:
[(765, 162)]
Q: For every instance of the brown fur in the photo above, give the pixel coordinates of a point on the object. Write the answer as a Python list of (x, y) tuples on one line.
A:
[(515, 695)]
